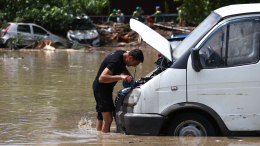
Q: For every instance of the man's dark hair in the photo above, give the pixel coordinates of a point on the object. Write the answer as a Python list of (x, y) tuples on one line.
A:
[(137, 55)]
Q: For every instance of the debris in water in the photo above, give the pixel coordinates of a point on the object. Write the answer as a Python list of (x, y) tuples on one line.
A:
[(83, 121), (48, 47), (75, 66), (11, 57)]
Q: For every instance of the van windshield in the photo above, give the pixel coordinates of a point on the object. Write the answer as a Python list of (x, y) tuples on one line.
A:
[(82, 24), (204, 27)]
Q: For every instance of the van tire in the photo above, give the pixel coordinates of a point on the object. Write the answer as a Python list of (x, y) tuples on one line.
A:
[(190, 124)]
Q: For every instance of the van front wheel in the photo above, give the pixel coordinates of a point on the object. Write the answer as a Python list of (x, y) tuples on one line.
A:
[(190, 125)]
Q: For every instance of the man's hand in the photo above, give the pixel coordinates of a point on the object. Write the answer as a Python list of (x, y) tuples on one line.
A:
[(126, 78), (108, 77)]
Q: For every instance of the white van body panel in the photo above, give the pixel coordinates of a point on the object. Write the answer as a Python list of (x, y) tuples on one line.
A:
[(149, 99), (158, 93), (238, 9), (172, 88), (232, 92)]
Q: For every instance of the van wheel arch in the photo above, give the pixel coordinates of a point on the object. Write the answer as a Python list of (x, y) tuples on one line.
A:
[(198, 108), (191, 124)]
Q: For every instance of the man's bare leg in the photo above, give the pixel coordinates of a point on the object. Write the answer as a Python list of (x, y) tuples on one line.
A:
[(107, 120), (99, 125)]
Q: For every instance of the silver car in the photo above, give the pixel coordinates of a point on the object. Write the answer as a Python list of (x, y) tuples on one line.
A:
[(30, 32), (83, 32)]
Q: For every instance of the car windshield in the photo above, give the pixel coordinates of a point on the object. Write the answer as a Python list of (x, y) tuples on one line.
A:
[(204, 27), (82, 24)]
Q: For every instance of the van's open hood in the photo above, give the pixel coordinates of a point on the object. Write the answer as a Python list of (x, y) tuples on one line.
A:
[(152, 38)]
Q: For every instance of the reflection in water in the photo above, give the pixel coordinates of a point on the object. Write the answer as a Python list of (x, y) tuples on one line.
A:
[(44, 95)]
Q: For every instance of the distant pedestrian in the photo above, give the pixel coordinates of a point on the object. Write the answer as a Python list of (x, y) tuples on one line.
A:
[(120, 17), (142, 19), (158, 16), (113, 16), (137, 13)]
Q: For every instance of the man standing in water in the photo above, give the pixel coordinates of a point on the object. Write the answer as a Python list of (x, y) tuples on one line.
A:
[(109, 73)]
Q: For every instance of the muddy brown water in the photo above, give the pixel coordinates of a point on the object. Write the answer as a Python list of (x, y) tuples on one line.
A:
[(44, 95)]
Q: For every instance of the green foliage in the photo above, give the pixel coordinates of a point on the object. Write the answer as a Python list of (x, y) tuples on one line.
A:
[(197, 10), (14, 42), (126, 28), (61, 47), (77, 46), (2, 23), (51, 14), (166, 7), (109, 7)]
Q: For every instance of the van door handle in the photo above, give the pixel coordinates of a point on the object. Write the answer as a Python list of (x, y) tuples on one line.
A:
[(174, 88)]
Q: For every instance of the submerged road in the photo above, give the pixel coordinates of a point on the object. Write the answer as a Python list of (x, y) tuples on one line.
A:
[(44, 94)]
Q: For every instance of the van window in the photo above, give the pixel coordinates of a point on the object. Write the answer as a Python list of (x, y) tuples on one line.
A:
[(234, 44), (243, 44), (212, 54), (195, 35), (39, 31), (24, 28)]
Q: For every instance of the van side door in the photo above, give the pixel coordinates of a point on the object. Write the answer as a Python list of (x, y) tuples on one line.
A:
[(229, 81)]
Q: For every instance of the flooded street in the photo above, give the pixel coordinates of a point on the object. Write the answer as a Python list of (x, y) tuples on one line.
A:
[(44, 95)]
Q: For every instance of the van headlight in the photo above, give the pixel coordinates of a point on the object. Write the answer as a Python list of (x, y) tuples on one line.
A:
[(132, 98)]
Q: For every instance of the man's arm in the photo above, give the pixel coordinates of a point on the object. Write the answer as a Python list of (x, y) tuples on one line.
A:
[(108, 77), (153, 14), (126, 72)]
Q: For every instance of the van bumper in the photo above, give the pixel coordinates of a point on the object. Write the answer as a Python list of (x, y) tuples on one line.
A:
[(139, 124)]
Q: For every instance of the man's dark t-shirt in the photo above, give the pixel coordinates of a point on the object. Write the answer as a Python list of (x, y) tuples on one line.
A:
[(115, 63), (103, 91)]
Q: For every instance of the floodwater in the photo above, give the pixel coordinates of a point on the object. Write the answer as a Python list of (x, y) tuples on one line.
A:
[(44, 95)]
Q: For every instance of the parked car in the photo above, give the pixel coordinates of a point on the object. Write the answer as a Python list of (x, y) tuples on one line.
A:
[(83, 31), (176, 40), (212, 86), (30, 32)]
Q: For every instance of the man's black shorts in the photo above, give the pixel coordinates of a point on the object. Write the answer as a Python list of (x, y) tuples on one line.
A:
[(103, 97)]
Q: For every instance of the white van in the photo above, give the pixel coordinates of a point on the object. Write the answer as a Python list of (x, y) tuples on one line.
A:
[(211, 88)]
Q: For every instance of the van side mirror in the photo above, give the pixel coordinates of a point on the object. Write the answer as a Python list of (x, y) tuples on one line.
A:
[(195, 57)]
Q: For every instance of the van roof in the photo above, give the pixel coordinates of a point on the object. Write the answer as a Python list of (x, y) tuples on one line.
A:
[(238, 9)]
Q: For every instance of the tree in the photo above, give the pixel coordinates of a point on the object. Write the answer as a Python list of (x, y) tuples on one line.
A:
[(51, 14), (197, 10)]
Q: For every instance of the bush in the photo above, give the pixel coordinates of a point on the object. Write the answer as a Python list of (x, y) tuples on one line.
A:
[(14, 42), (198, 10), (2, 23)]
